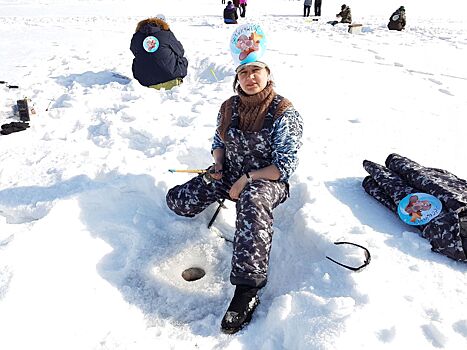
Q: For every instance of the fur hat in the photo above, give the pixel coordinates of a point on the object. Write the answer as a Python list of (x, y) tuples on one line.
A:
[(154, 21)]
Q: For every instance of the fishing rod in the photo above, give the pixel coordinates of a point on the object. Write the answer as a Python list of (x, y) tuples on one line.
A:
[(194, 171)]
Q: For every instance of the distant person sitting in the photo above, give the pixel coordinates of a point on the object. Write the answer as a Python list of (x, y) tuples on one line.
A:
[(397, 20), (306, 8), (159, 60), (230, 13), (345, 15)]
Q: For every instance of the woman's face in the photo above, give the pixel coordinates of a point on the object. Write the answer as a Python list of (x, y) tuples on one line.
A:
[(253, 79)]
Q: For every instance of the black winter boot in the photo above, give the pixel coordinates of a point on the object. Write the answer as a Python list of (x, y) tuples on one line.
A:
[(240, 310)]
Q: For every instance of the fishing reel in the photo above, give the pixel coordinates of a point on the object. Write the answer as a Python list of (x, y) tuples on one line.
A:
[(207, 175)]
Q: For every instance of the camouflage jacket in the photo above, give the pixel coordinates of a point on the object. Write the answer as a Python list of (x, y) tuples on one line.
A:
[(345, 15), (447, 232), (285, 135)]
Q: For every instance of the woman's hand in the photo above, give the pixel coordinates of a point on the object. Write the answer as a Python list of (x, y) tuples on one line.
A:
[(238, 187), (215, 171)]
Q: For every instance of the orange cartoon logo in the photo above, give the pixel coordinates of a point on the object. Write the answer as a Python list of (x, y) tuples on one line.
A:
[(248, 45), (415, 207)]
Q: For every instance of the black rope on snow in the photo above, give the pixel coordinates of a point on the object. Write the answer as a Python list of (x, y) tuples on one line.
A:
[(367, 252), (365, 262)]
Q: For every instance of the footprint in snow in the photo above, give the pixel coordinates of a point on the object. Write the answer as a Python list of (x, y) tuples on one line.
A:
[(435, 81), (387, 335), (433, 314), (5, 278), (447, 92), (184, 121), (195, 108), (461, 328), (434, 335)]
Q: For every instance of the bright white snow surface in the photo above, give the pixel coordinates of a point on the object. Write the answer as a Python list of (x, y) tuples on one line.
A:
[(91, 258)]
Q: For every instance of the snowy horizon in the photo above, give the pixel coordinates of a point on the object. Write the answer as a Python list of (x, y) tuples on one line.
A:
[(91, 258)]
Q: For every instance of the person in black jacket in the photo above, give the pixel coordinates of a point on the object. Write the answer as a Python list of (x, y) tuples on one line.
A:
[(159, 60), (230, 14), (397, 20)]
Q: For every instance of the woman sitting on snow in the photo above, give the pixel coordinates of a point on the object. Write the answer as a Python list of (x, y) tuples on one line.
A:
[(159, 61), (255, 152)]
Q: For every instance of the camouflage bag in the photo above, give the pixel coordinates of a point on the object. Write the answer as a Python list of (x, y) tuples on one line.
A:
[(401, 176)]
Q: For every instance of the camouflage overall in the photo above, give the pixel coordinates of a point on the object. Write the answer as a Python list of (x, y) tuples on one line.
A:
[(244, 151), (447, 233)]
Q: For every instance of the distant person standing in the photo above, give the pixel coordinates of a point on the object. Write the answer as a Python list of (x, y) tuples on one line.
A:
[(223, 2), (230, 14), (306, 8), (317, 7), (236, 4), (242, 8), (397, 19)]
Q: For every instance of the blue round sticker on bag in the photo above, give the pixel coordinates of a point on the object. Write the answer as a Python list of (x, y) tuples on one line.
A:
[(419, 208), (150, 44)]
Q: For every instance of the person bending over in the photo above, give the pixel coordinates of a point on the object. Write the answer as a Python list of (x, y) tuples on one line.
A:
[(159, 60)]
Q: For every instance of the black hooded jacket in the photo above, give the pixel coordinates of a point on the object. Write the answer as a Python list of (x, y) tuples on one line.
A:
[(397, 20), (166, 62)]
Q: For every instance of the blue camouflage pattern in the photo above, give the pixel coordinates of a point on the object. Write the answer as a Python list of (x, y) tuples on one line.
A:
[(285, 139), (401, 176), (244, 151)]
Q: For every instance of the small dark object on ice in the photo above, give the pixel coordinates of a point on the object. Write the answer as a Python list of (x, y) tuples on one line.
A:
[(193, 273), (12, 127)]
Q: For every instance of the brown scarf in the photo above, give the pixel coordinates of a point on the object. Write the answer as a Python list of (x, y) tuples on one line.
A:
[(252, 110)]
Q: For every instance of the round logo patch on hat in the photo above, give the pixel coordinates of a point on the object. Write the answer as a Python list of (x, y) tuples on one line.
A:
[(248, 43), (150, 44), (419, 208)]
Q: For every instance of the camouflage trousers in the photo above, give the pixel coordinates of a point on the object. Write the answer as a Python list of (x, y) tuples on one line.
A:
[(401, 176), (253, 226)]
